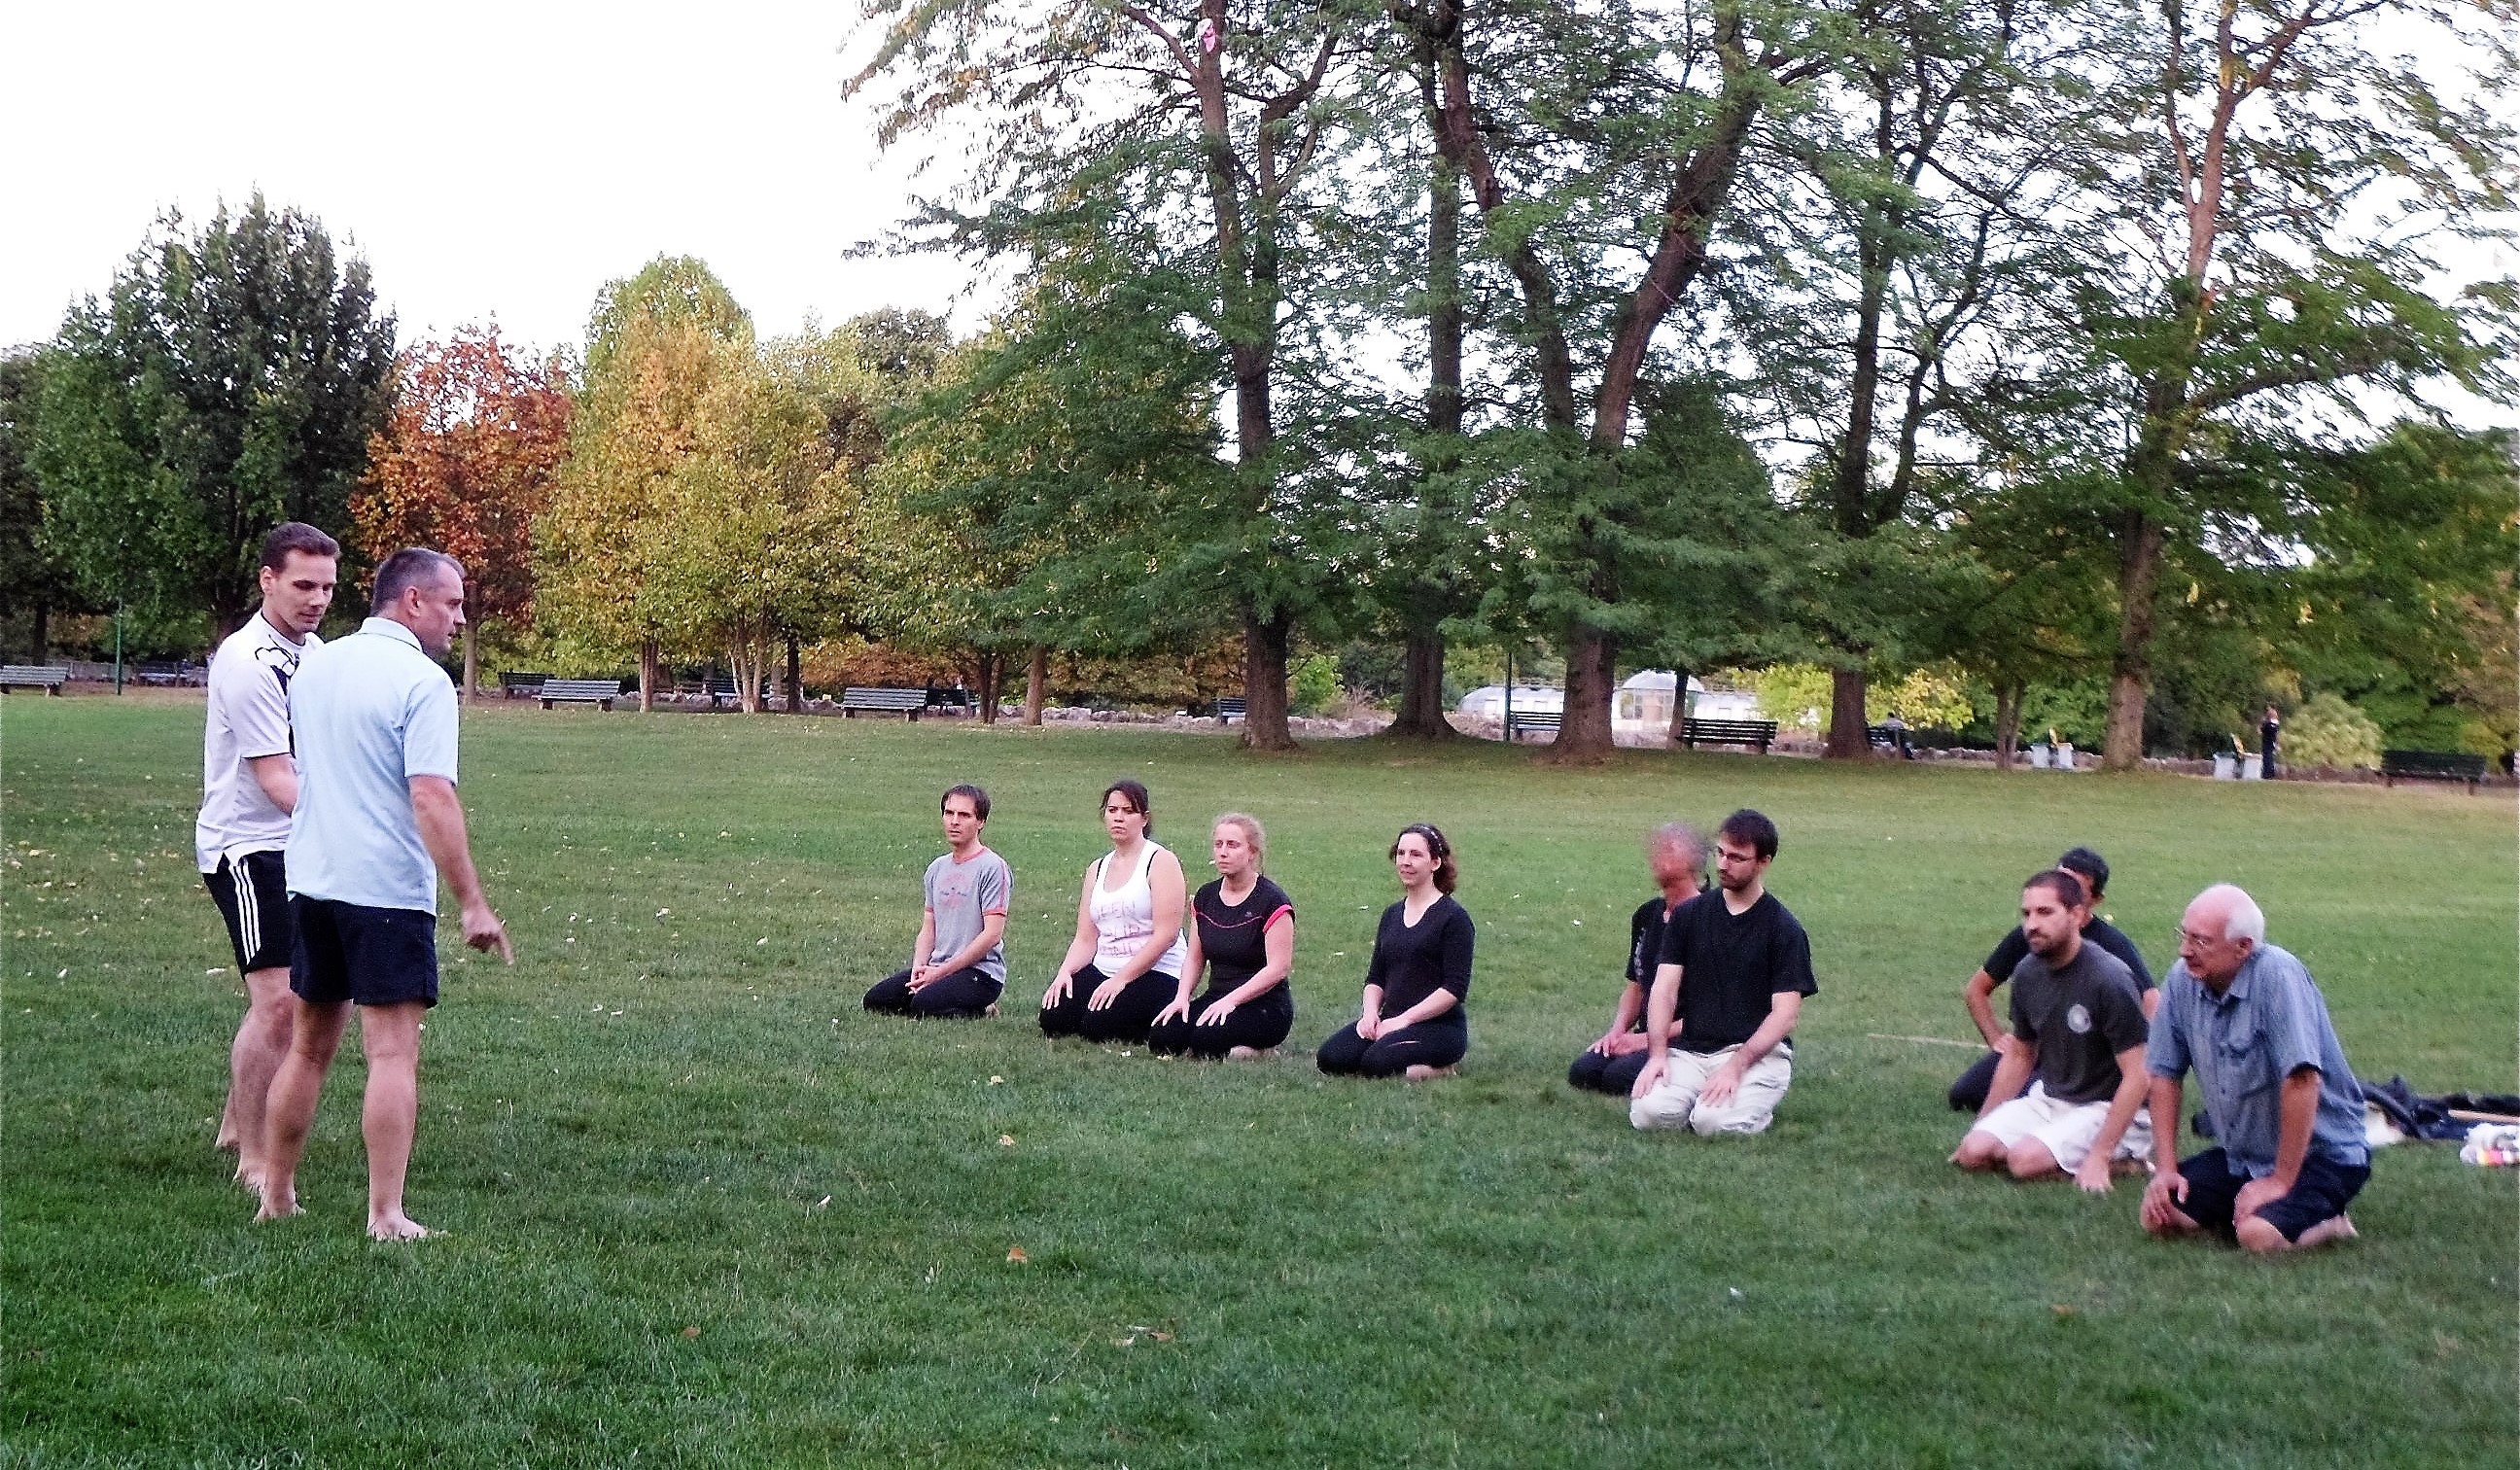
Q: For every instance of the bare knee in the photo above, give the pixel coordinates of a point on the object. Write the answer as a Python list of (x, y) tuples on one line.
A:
[(1979, 1151), (2030, 1159), (2255, 1234)]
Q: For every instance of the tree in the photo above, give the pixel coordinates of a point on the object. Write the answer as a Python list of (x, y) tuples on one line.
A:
[(1201, 145), (32, 580), (2260, 248), (655, 345), (465, 464), (230, 379)]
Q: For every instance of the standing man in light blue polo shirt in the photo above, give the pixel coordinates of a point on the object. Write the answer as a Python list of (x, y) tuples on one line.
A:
[(2282, 1099), (377, 822)]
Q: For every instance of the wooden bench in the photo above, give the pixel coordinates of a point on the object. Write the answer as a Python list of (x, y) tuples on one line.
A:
[(910, 704), (521, 685), (1759, 733), (1230, 708), (601, 691), (717, 688), (1521, 722), (953, 702), (2432, 764), (164, 675), (31, 676)]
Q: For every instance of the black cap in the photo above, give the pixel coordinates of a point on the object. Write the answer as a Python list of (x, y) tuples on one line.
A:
[(2089, 864)]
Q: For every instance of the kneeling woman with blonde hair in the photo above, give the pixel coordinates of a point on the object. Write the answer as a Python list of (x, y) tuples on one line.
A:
[(1414, 1021), (1243, 931)]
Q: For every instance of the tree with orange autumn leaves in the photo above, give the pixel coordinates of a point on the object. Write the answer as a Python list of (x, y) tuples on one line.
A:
[(465, 465)]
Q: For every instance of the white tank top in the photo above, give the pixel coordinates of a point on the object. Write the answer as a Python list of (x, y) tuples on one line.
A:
[(1123, 921)]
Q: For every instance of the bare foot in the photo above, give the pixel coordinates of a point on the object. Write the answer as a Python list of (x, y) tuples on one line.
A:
[(249, 1173), (227, 1142), (2335, 1227), (396, 1227), (991, 1009), (1249, 1053), (277, 1205), (1420, 1072)]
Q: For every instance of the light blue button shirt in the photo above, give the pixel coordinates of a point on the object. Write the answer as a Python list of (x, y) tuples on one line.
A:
[(2270, 1023), (371, 711)]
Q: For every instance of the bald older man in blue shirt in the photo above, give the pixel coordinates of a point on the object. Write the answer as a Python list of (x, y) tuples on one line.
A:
[(377, 822), (2287, 1113)]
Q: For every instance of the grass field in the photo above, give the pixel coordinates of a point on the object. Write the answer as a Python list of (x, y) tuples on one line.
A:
[(700, 1209)]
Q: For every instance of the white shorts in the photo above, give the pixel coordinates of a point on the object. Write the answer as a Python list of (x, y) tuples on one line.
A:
[(1673, 1102), (2066, 1130)]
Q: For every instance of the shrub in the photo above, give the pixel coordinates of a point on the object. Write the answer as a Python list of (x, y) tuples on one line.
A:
[(2329, 732), (1313, 685)]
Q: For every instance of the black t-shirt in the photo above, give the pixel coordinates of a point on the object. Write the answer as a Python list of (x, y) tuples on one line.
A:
[(1232, 936), (1731, 967), (1644, 946), (2080, 1019), (1412, 963), (2099, 931)]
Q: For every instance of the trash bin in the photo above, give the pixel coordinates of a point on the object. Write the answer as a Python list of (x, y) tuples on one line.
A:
[(2248, 767), (2226, 765)]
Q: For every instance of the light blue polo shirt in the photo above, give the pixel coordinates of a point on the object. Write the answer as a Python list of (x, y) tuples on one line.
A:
[(370, 711), (2270, 1023)]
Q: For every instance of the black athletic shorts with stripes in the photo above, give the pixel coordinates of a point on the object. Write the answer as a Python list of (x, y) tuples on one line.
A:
[(253, 895)]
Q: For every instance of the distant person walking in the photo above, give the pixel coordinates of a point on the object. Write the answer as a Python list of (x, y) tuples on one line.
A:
[(1412, 1023), (2287, 1113), (1243, 934), (959, 967), (249, 789), (378, 821), (2268, 730), (1125, 962)]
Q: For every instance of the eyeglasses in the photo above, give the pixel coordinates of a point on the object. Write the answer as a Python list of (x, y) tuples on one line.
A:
[(2183, 938)]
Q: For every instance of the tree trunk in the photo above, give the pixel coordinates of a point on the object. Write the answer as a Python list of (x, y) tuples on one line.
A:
[(1679, 705), (1036, 678), (795, 674), (992, 672), (1265, 646), (1592, 668), (2007, 723), (1849, 736), (648, 672), (743, 663), (2140, 559), (472, 660), (43, 642), (1421, 691)]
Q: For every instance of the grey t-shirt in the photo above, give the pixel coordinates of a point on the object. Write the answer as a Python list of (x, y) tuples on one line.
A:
[(961, 896), (2079, 1017)]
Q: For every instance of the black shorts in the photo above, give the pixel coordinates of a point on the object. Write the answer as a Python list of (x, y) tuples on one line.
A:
[(2321, 1193), (253, 895), (373, 957)]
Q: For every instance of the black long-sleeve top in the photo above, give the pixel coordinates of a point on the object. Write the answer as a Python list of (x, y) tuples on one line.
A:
[(1411, 963)]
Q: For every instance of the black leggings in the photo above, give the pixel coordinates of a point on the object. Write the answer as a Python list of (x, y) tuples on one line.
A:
[(1968, 1094), (1125, 1019), (1259, 1024), (1614, 1075), (963, 995), (1348, 1054)]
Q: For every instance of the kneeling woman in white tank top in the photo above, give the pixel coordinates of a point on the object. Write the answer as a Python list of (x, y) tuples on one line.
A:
[(1124, 965)]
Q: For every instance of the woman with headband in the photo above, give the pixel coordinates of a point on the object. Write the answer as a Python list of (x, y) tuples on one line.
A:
[(1242, 933), (1125, 961), (1413, 1023)]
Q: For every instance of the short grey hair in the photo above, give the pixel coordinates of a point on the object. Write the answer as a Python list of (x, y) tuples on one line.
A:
[(1682, 836), (2242, 919), (412, 566)]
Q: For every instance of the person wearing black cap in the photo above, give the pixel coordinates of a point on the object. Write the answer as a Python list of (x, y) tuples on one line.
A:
[(1968, 1093), (1413, 1022)]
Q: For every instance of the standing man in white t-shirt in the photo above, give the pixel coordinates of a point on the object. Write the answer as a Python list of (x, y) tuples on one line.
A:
[(377, 821), (249, 789)]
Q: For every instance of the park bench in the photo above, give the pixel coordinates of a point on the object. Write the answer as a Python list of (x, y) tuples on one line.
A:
[(518, 684), (1231, 708), (2432, 764), (29, 675), (1759, 733), (164, 675), (718, 688), (910, 704), (1521, 722), (949, 701), (601, 691)]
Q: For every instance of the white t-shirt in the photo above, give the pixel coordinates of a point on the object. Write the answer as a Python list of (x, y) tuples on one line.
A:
[(248, 718)]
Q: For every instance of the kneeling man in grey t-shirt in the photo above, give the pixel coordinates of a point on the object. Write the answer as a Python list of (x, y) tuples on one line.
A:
[(960, 966)]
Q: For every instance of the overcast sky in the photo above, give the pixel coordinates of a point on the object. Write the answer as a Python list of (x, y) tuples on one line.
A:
[(490, 159)]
